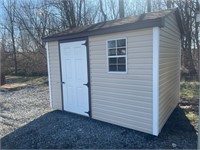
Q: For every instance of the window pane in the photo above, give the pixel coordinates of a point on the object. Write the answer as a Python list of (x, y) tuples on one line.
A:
[(121, 43), (112, 67), (121, 60), (111, 52), (121, 67), (111, 44), (117, 55), (112, 61), (121, 51)]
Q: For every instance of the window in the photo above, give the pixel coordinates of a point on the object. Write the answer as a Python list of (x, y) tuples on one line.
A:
[(117, 55)]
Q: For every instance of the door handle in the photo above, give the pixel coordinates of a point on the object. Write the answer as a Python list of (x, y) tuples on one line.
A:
[(63, 82), (87, 84)]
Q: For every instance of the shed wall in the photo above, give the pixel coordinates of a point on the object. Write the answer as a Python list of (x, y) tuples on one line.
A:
[(55, 75), (123, 99), (169, 66)]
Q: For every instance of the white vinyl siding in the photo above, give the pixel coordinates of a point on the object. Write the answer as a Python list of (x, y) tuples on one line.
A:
[(54, 65), (169, 66), (123, 99)]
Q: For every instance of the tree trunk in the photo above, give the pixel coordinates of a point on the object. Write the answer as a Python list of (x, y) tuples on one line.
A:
[(148, 5), (3, 79), (121, 8), (169, 3), (14, 52), (197, 40)]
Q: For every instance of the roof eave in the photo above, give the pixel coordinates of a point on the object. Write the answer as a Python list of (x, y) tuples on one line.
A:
[(159, 22)]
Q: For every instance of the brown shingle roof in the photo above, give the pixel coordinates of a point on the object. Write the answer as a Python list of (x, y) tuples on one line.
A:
[(151, 19)]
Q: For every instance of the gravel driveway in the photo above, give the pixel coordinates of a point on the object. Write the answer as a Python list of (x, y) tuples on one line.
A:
[(27, 122)]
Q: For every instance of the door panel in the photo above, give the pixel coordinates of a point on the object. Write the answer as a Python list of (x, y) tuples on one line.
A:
[(74, 76)]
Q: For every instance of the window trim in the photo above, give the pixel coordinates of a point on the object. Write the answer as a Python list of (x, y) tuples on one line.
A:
[(117, 56)]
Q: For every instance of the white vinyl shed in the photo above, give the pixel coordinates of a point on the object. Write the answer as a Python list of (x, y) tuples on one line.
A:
[(124, 72)]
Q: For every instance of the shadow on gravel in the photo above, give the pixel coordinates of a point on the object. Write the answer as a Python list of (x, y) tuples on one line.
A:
[(64, 130)]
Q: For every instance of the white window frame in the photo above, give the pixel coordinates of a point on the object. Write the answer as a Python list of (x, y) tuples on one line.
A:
[(116, 72)]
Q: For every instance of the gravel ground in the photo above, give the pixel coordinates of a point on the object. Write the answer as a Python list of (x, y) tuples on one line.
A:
[(27, 122), (22, 106)]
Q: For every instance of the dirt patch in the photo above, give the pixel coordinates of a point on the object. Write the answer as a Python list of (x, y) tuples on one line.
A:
[(14, 86)]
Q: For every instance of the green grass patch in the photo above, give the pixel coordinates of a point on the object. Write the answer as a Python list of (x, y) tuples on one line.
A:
[(189, 90), (192, 116), (189, 95)]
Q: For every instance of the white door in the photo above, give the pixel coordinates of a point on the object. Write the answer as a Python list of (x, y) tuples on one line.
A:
[(74, 76)]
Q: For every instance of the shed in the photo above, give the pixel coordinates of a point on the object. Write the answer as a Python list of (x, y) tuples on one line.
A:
[(124, 72)]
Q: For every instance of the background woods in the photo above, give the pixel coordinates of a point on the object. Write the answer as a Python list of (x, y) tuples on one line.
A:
[(23, 23)]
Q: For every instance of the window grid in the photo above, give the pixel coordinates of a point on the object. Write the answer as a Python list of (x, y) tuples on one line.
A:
[(117, 66)]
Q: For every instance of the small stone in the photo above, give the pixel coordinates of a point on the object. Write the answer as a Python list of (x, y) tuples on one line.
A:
[(79, 130), (174, 145)]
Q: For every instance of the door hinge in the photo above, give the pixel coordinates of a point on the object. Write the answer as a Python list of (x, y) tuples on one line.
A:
[(86, 44), (87, 84), (88, 112)]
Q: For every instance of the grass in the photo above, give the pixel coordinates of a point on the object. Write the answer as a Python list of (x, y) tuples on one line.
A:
[(189, 90), (189, 95), (192, 116)]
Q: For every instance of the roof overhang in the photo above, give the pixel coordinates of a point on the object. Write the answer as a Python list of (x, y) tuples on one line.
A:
[(158, 22), (141, 24)]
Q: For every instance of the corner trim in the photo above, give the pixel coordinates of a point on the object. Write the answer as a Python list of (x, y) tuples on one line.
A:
[(156, 44), (180, 74), (49, 74)]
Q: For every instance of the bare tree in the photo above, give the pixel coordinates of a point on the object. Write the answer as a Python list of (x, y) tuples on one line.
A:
[(191, 37), (27, 21), (10, 9), (33, 20), (2, 60), (102, 11)]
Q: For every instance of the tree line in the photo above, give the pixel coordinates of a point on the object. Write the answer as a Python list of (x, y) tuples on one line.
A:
[(23, 23)]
